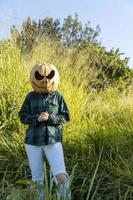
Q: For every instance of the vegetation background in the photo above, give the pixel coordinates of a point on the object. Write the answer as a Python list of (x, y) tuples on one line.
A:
[(97, 85)]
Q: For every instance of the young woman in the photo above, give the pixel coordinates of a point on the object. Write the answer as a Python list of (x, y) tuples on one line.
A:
[(45, 110)]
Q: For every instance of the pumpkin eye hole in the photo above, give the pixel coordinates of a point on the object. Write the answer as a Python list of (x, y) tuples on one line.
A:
[(38, 76), (51, 74)]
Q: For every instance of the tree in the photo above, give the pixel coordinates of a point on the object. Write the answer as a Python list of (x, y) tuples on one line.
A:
[(70, 33), (75, 34)]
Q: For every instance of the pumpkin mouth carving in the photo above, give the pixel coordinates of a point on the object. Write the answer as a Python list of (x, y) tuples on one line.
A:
[(43, 86)]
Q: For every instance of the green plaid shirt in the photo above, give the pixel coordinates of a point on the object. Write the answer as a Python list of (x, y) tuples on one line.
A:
[(49, 132)]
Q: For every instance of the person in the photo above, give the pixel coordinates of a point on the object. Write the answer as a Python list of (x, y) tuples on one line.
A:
[(45, 111)]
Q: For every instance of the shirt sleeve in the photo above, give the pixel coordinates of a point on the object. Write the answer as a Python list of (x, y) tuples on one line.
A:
[(25, 113), (62, 116)]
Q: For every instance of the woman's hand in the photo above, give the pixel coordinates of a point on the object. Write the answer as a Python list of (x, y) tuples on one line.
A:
[(44, 116)]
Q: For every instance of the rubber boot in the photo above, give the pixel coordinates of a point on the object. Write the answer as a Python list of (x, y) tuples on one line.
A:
[(37, 191), (63, 189), (41, 192)]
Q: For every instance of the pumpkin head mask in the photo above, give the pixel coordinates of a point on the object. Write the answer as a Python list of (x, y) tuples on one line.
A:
[(44, 78)]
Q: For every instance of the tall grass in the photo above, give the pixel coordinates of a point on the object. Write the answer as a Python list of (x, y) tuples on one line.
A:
[(99, 138)]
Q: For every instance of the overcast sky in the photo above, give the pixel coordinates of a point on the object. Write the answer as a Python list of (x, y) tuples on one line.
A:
[(115, 18)]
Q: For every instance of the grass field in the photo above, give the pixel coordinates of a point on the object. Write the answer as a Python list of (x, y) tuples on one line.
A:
[(98, 141)]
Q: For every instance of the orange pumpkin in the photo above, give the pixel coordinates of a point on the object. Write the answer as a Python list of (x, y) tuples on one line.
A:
[(44, 78)]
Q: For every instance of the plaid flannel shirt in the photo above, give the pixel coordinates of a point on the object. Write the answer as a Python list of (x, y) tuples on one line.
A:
[(48, 132)]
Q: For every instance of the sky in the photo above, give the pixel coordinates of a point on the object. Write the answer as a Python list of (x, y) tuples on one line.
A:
[(115, 18)]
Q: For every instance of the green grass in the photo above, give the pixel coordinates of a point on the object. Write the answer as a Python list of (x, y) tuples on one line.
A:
[(99, 138)]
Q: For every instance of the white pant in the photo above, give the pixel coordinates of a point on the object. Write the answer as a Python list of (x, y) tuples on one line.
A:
[(54, 155)]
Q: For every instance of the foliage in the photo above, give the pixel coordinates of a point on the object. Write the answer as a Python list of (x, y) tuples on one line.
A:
[(70, 33), (105, 68), (102, 68), (99, 137)]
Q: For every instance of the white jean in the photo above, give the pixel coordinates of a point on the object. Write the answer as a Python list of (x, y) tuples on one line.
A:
[(54, 155)]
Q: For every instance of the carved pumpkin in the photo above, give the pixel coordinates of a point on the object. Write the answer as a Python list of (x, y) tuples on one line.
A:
[(44, 78)]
